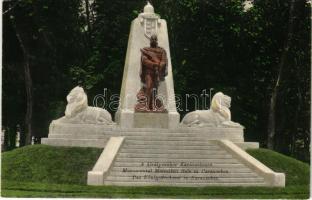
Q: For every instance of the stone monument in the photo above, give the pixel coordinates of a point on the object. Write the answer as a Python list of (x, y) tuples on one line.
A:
[(142, 28), (17, 139), (2, 140), (148, 145)]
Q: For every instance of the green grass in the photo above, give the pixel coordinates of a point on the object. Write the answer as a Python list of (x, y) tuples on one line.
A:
[(297, 172), (46, 164), (24, 189), (44, 171)]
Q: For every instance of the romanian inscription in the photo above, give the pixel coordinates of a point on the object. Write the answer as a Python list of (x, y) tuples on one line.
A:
[(175, 171)]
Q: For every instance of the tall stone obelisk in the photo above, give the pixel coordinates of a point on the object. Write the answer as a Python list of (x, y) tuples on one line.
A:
[(142, 27)]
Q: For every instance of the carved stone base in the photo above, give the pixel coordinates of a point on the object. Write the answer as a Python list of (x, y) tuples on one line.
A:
[(151, 120), (96, 135), (126, 119)]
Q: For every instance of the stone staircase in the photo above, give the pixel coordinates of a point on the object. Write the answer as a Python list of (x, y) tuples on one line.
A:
[(168, 157), (178, 161), (97, 136)]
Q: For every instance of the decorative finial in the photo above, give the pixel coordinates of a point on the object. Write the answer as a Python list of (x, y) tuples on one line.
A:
[(148, 8)]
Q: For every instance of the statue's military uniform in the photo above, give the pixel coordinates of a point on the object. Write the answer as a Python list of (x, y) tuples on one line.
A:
[(153, 70), (154, 63)]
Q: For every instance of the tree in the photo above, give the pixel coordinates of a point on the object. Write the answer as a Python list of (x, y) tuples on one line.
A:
[(48, 41), (281, 66), (23, 39)]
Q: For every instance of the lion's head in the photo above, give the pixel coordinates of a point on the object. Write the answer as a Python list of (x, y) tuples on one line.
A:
[(77, 101), (221, 103)]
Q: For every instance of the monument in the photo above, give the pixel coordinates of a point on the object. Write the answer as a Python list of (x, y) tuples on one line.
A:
[(148, 145), (142, 28)]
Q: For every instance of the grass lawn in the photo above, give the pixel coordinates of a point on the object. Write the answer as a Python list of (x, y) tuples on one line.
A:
[(44, 171)]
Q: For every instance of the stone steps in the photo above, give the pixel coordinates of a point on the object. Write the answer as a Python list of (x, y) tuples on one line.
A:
[(156, 132), (208, 178), (219, 175), (142, 141), (175, 151), (67, 128), (163, 136), (120, 167), (188, 184), (220, 160), (130, 141), (168, 137), (168, 147), (63, 131), (130, 169), (232, 167), (154, 161), (93, 131), (134, 138), (173, 156)]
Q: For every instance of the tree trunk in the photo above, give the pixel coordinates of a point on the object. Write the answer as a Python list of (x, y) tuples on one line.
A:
[(89, 32), (28, 82), (29, 96), (295, 123), (296, 118), (88, 15), (273, 99)]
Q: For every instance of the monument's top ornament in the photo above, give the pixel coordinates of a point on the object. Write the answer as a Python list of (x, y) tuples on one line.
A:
[(148, 11), (149, 20), (148, 8)]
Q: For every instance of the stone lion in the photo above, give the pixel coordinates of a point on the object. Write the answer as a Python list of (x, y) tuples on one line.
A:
[(77, 110), (219, 114)]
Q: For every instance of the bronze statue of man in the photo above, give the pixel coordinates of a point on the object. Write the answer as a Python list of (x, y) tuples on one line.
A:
[(153, 70)]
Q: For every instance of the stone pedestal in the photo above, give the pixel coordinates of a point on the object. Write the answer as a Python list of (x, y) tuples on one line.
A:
[(96, 135), (151, 120), (155, 120)]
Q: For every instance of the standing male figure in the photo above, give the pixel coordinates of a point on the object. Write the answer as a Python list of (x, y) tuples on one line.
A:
[(153, 70)]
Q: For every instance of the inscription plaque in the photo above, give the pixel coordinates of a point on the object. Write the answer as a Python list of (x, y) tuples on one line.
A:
[(184, 171)]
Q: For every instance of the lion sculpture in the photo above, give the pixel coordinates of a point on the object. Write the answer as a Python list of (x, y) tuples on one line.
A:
[(219, 114), (77, 110)]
